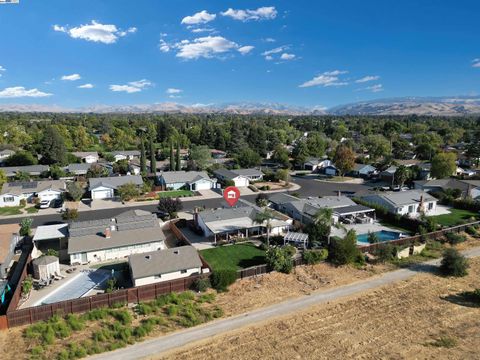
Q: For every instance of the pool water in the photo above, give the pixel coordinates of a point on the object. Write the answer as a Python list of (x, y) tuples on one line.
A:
[(383, 236)]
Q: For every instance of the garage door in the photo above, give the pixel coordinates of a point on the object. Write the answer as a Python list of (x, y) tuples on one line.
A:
[(203, 185), (102, 194)]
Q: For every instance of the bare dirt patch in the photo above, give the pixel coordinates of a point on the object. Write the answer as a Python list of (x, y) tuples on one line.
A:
[(399, 321)]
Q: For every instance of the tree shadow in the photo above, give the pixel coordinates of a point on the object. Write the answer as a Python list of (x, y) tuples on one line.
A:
[(426, 268), (256, 260), (466, 298)]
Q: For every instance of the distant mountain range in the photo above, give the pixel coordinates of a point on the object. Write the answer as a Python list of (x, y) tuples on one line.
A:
[(446, 106)]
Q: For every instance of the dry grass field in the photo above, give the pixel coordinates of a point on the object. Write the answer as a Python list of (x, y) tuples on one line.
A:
[(421, 318)]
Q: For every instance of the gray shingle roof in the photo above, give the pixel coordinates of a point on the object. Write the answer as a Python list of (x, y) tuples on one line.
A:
[(45, 260), (164, 261), (127, 152), (30, 169), (225, 173), (115, 181), (82, 154), (247, 172), (172, 177), (78, 168), (404, 197), (29, 187)]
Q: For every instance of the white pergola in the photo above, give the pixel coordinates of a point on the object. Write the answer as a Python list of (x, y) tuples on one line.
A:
[(297, 238)]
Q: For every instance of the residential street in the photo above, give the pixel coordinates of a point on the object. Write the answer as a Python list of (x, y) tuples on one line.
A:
[(308, 187), (156, 347)]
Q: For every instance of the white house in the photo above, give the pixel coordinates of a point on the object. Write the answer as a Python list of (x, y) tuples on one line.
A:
[(126, 155), (88, 157), (104, 188), (238, 221), (164, 265), (363, 170), (240, 177), (133, 232), (12, 193), (315, 164), (191, 180), (410, 203)]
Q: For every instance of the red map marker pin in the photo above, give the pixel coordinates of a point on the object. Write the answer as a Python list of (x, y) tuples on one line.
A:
[(231, 195)]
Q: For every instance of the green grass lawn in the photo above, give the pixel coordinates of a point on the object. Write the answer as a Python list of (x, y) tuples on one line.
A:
[(31, 210), (455, 217), (234, 256), (176, 193), (12, 210)]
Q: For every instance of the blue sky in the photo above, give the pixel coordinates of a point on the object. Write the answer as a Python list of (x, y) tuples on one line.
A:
[(307, 53)]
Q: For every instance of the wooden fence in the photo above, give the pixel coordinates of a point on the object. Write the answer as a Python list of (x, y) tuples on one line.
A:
[(125, 296)]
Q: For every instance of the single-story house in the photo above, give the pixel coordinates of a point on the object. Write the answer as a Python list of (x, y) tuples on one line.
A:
[(164, 265), (315, 164), (32, 170), (78, 169), (88, 157), (104, 188), (363, 170), (240, 177), (12, 193), (305, 210), (126, 155), (238, 221), (469, 188), (191, 180), (218, 154), (132, 232), (9, 238), (410, 203), (5, 154)]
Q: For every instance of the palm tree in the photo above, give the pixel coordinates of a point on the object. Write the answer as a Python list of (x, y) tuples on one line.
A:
[(265, 216), (324, 219)]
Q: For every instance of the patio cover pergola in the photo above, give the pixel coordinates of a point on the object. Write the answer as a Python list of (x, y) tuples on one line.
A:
[(297, 238)]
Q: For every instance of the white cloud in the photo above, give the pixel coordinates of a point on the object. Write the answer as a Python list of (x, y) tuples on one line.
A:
[(262, 13), (269, 40), (164, 46), (287, 56), (173, 91), (201, 17), (375, 88), (85, 86), (72, 77), (2, 69), (367, 79), (268, 54), (200, 30), (20, 91), (476, 63), (328, 78), (244, 50), (269, 58), (96, 32), (206, 47), (132, 87)]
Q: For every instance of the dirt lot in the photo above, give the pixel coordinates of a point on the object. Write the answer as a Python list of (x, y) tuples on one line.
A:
[(396, 322)]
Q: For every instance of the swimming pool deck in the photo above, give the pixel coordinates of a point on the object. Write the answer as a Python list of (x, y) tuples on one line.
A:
[(361, 229)]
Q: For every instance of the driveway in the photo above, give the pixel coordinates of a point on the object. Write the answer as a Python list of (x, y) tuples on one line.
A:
[(156, 347)]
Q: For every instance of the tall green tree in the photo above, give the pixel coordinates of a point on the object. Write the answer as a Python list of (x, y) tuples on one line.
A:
[(143, 159), (344, 159), (443, 165), (178, 161), (53, 148), (172, 161), (402, 175), (153, 159)]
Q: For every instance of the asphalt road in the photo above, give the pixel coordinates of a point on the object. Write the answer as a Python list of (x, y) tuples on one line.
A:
[(155, 347), (309, 187)]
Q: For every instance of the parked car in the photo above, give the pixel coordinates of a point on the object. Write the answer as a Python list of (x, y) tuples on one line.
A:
[(57, 203), (44, 204)]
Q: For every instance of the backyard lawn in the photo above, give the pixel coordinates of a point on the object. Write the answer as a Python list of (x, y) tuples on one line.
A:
[(176, 193), (234, 256), (456, 217)]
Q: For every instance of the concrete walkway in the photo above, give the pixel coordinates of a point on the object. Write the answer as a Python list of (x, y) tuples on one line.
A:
[(155, 347)]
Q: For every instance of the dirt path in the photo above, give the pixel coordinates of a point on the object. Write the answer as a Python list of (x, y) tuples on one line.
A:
[(360, 325)]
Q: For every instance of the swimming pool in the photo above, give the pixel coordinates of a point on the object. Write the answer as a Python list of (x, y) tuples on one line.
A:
[(384, 235)]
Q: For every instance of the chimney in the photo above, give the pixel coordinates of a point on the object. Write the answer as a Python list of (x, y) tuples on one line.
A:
[(195, 217), (339, 193), (108, 233)]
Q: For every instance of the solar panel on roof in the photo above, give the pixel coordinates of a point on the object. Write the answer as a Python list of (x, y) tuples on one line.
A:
[(29, 185)]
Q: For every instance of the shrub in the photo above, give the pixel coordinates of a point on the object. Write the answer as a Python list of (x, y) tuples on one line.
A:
[(123, 316), (223, 278), (315, 256), (279, 259), (144, 309), (26, 227), (373, 238), (454, 238), (172, 310), (453, 263), (471, 231), (27, 285), (385, 252), (70, 214), (344, 251), (75, 322), (445, 341), (201, 285), (209, 297)]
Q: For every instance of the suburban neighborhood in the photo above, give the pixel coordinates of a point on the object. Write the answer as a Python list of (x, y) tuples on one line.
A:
[(217, 180)]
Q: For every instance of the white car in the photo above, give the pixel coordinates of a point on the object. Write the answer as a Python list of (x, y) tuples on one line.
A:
[(44, 204)]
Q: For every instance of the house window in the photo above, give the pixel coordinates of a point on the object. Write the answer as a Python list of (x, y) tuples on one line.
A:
[(183, 271), (411, 209), (430, 206), (8, 199)]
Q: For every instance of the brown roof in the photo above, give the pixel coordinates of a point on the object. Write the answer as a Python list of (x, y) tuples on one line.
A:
[(6, 232)]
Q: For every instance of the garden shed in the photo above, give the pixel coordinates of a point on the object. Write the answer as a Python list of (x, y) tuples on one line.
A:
[(45, 267)]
